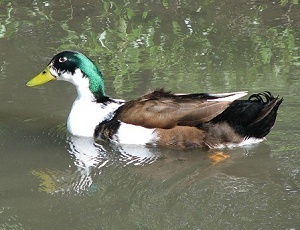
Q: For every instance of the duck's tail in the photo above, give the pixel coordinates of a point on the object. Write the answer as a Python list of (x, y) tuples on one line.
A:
[(253, 117), (265, 119)]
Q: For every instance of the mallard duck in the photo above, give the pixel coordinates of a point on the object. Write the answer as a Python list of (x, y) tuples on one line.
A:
[(159, 117)]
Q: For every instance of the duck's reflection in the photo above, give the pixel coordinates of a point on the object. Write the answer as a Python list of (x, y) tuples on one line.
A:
[(88, 160), (90, 163), (91, 158), (86, 157), (88, 154)]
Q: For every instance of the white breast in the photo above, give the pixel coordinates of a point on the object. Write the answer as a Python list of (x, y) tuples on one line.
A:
[(85, 115)]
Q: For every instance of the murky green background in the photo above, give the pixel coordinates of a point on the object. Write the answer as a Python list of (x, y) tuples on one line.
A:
[(50, 180)]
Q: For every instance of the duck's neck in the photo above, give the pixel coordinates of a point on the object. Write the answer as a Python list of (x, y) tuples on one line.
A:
[(88, 88), (86, 113), (85, 94)]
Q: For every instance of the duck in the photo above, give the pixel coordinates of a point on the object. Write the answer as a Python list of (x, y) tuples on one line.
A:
[(160, 117)]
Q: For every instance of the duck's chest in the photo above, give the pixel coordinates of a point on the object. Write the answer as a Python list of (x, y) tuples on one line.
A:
[(85, 115)]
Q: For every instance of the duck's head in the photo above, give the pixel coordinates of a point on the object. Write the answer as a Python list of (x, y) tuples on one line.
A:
[(76, 68)]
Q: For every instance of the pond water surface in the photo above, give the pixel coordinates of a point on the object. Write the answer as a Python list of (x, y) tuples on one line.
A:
[(51, 180)]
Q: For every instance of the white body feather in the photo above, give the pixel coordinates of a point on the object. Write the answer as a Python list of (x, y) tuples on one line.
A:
[(245, 143), (133, 134)]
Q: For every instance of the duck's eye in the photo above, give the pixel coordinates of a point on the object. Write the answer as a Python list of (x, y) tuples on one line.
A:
[(62, 59)]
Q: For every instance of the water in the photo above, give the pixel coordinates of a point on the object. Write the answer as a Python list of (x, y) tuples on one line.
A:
[(51, 180)]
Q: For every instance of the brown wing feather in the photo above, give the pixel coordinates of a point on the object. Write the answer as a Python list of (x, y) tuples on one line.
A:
[(168, 110)]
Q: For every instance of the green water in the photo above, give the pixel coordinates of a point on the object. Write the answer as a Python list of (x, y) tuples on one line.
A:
[(51, 180)]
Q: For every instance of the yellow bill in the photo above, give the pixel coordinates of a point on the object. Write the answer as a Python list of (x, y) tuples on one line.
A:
[(42, 78)]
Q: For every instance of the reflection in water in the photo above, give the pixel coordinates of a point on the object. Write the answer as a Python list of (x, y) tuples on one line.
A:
[(90, 159), (136, 154), (87, 153), (86, 158)]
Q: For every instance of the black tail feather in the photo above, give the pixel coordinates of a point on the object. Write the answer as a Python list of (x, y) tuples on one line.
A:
[(253, 117), (265, 120)]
